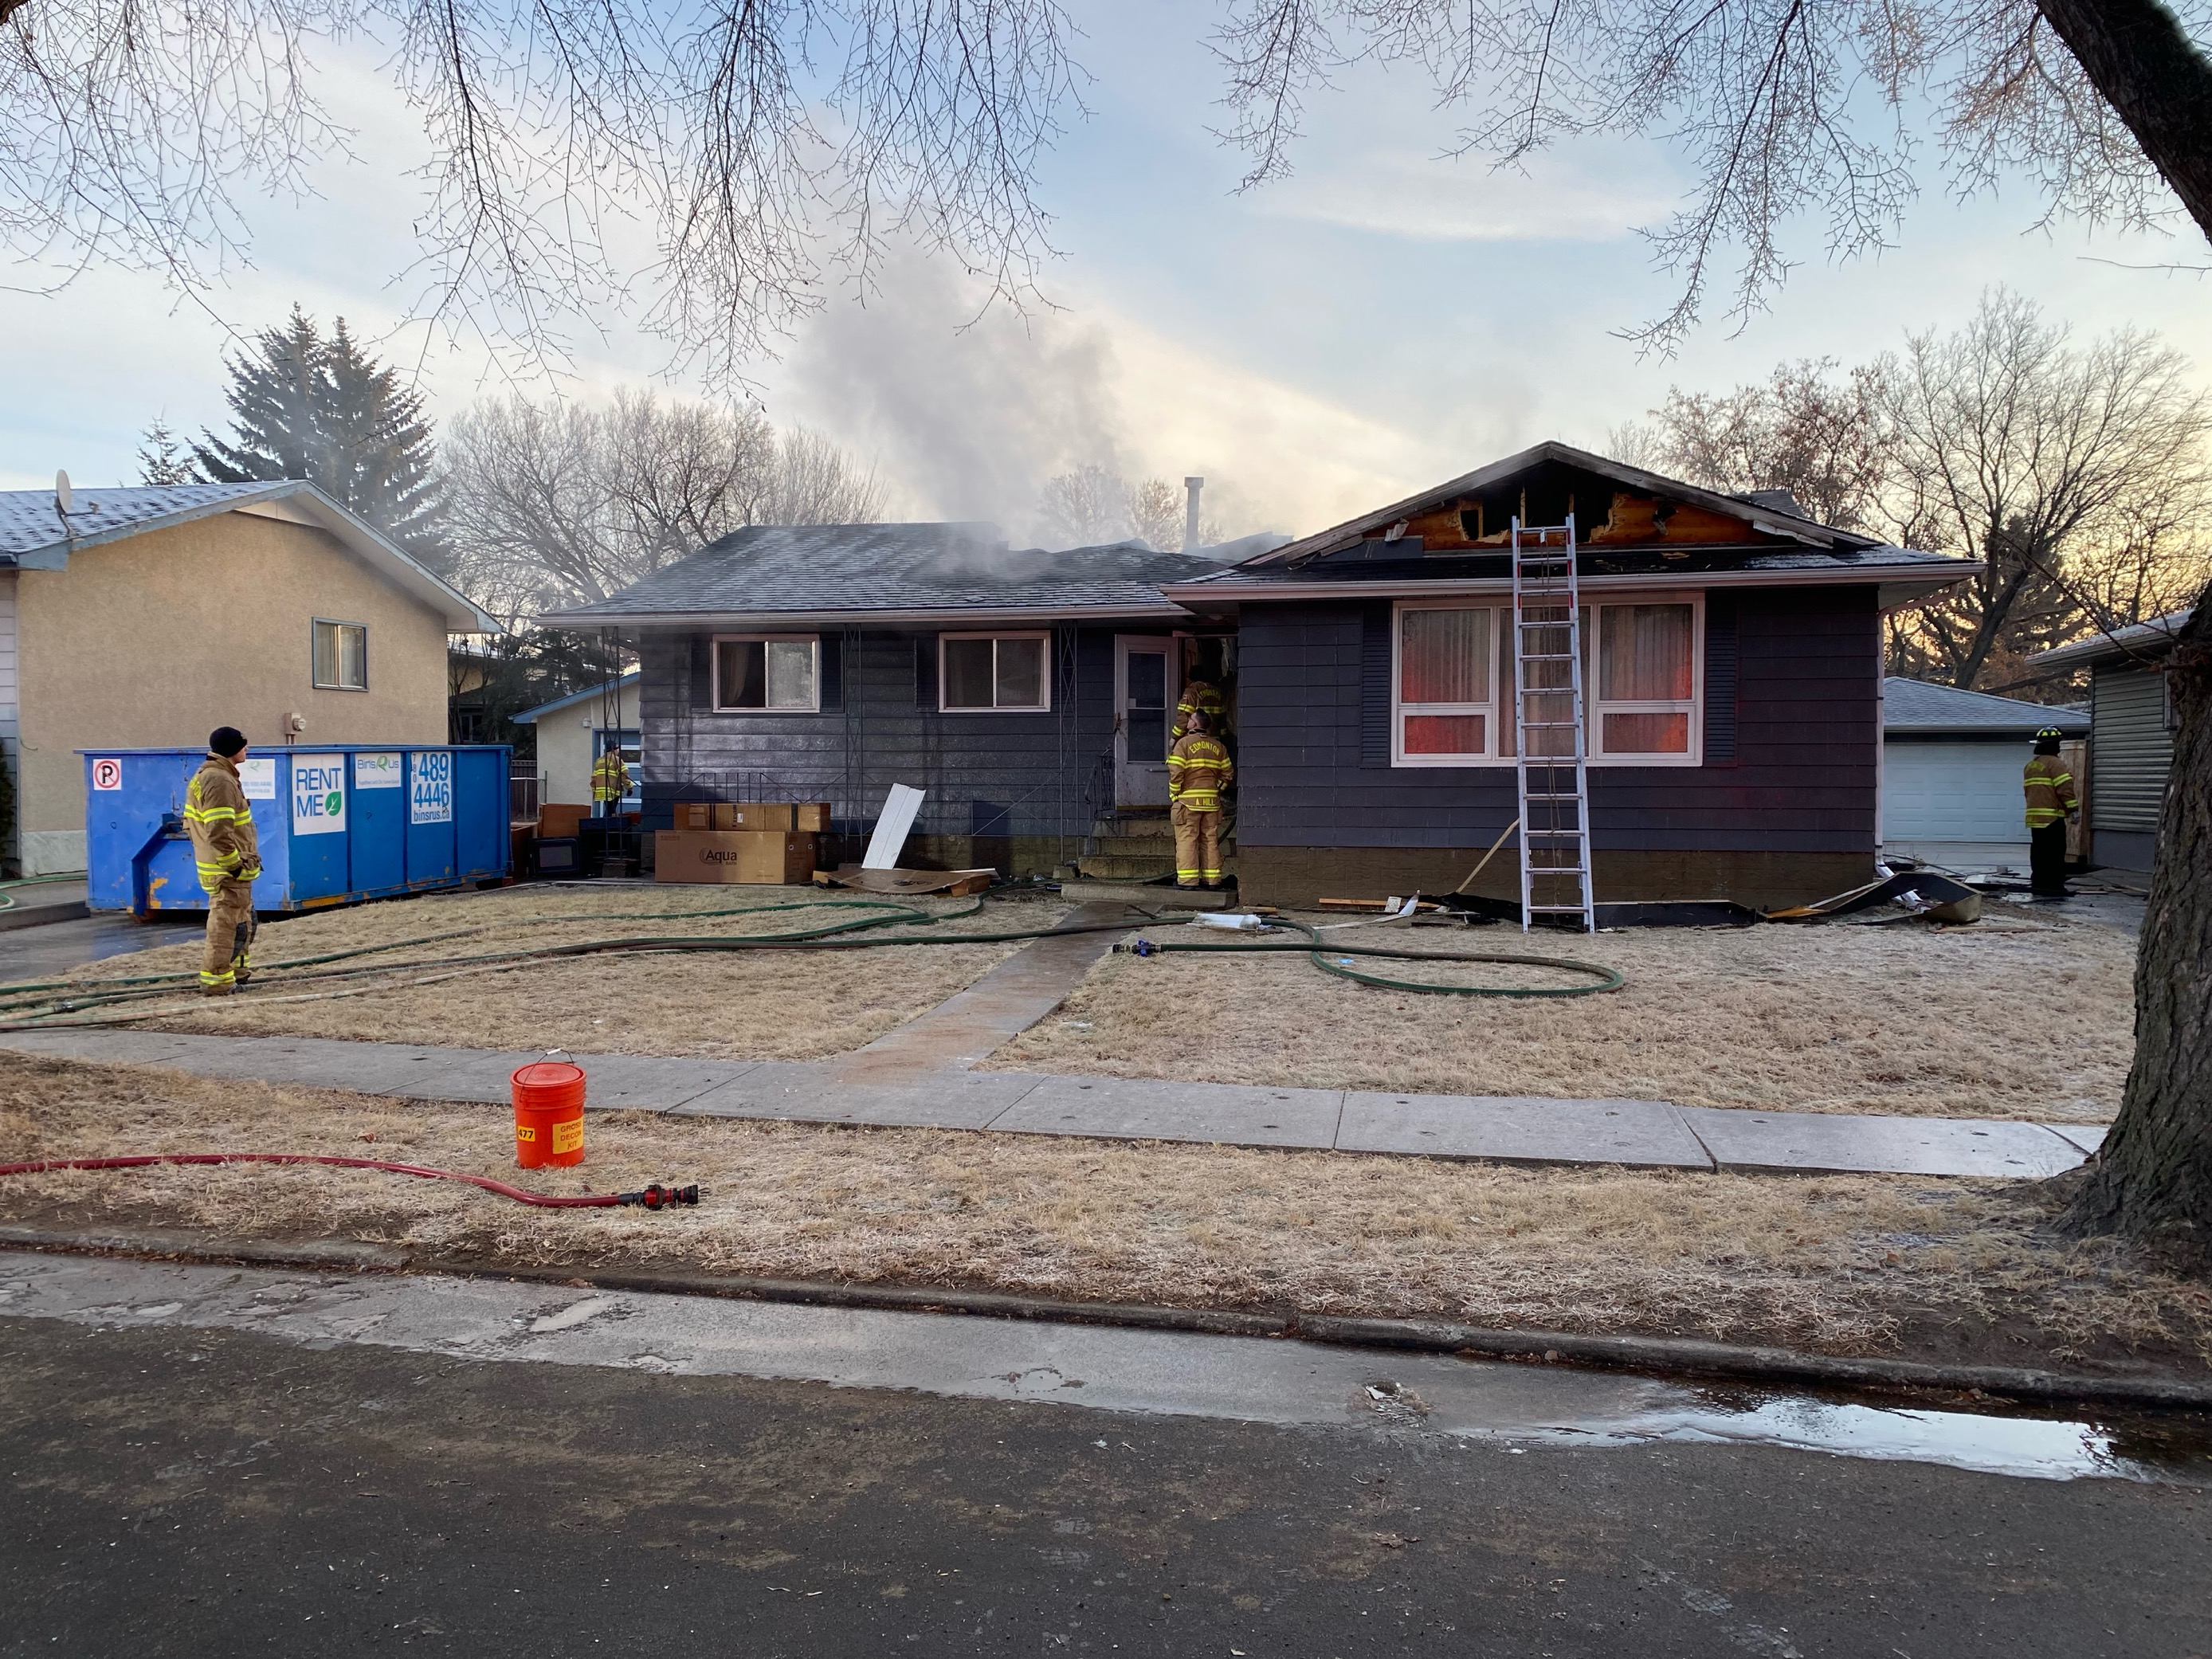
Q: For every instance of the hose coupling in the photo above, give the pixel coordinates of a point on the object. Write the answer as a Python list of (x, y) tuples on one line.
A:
[(658, 1197)]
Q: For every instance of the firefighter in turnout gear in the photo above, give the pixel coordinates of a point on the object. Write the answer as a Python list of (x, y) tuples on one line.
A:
[(1199, 698), (219, 821), (610, 781), (1199, 769), (2051, 800)]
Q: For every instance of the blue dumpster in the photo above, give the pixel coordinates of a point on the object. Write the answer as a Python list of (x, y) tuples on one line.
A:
[(337, 823)]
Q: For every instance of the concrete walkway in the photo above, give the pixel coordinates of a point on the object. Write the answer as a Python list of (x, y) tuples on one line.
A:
[(1638, 1134)]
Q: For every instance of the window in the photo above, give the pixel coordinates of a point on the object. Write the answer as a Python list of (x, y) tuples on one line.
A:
[(1647, 678), (1452, 692), (773, 673), (341, 656), (979, 671), (1446, 686)]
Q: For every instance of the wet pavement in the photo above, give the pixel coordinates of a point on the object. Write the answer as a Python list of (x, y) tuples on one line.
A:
[(54, 947), (207, 1461)]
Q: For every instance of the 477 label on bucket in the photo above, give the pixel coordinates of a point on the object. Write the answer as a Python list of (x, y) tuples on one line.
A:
[(430, 787)]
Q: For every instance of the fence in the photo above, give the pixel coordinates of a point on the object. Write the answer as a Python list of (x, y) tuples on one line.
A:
[(522, 793)]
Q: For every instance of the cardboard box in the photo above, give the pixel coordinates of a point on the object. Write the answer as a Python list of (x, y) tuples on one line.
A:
[(765, 858), (556, 821), (694, 815), (811, 815), (751, 815)]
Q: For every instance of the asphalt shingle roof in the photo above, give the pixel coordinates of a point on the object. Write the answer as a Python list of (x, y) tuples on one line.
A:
[(29, 522), (816, 570), (1918, 706), (2143, 639)]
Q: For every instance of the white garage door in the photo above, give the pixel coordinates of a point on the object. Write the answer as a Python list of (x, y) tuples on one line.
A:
[(1966, 791)]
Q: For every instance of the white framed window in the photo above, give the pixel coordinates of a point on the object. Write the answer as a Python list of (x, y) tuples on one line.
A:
[(768, 673), (1646, 700), (339, 656), (978, 673), (1451, 672), (1444, 686)]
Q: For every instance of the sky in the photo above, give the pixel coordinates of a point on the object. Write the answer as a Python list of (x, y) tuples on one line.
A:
[(1381, 321)]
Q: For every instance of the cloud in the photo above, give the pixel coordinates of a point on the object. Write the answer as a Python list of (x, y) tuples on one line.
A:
[(1426, 197)]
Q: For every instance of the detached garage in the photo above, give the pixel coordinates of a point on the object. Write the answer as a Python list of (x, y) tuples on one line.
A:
[(1951, 766)]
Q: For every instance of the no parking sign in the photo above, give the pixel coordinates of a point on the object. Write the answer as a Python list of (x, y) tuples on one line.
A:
[(107, 773)]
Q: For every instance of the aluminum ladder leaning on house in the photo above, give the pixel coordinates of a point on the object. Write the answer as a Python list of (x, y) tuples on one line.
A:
[(1549, 734)]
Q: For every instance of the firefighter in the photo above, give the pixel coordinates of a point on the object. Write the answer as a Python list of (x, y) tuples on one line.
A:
[(219, 821), (2051, 800), (1199, 769), (1199, 698), (610, 781)]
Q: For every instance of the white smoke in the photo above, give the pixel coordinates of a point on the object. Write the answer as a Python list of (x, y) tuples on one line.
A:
[(965, 416)]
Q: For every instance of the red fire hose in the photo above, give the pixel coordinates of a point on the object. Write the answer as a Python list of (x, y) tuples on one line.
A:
[(654, 1197)]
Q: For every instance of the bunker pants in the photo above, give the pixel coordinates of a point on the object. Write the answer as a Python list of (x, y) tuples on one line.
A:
[(1198, 846), (229, 932)]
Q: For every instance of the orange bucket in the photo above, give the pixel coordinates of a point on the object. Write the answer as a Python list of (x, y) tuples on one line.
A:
[(549, 1114)]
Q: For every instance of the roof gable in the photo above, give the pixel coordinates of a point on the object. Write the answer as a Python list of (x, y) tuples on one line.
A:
[(1614, 504)]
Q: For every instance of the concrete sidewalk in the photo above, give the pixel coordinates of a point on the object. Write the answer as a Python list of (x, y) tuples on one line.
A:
[(1636, 1133)]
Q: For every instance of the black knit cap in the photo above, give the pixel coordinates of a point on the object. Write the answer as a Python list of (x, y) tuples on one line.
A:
[(226, 741)]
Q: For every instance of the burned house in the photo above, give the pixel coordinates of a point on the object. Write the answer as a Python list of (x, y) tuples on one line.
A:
[(1732, 657), (1732, 651)]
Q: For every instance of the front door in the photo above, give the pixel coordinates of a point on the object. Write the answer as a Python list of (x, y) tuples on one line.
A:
[(1144, 697)]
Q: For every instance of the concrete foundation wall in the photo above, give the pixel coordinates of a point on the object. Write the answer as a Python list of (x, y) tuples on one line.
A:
[(1299, 875)]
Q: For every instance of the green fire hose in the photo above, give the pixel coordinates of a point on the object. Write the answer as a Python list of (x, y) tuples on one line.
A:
[(51, 1004)]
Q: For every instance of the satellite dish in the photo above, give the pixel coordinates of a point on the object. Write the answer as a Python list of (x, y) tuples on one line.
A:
[(64, 500)]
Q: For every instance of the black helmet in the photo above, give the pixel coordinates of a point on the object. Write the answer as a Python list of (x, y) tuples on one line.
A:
[(2050, 732)]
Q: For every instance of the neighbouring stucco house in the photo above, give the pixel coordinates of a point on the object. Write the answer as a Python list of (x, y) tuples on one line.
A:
[(1735, 652), (572, 732), (2131, 727), (147, 616), (1951, 772)]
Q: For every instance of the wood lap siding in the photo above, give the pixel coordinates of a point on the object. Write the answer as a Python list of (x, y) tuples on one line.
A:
[(1797, 774), (989, 774)]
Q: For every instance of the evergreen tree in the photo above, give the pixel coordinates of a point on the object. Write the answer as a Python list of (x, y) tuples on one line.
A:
[(381, 457), (324, 411), (275, 411), (162, 458)]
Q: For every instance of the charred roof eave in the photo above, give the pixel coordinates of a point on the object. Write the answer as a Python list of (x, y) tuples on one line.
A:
[(1761, 516), (1898, 583)]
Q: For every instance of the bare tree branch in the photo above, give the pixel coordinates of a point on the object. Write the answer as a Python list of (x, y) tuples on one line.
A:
[(1782, 107), (766, 147)]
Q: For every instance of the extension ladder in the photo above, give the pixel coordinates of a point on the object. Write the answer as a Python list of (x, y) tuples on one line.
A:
[(1549, 731)]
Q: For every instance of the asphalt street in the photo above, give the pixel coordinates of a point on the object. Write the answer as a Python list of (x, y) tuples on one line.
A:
[(214, 1488)]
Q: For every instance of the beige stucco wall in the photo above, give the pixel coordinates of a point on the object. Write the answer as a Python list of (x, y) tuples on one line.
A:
[(156, 640), (565, 745)]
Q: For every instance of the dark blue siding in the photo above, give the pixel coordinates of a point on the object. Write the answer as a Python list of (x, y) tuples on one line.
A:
[(987, 774), (1792, 738)]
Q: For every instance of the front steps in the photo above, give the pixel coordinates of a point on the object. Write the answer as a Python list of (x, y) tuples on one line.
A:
[(1136, 845)]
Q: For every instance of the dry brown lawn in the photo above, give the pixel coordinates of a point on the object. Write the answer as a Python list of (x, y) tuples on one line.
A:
[(2015, 1017), (768, 1005), (1938, 1268)]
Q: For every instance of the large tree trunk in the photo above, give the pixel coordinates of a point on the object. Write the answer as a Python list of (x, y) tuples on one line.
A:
[(2154, 79), (2153, 1182)]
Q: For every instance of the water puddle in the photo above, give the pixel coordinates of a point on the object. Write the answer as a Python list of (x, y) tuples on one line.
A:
[(2132, 1448)]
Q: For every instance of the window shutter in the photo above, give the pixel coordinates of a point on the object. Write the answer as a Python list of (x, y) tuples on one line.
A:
[(1375, 686), (829, 659), (1721, 654), (925, 672), (703, 672)]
